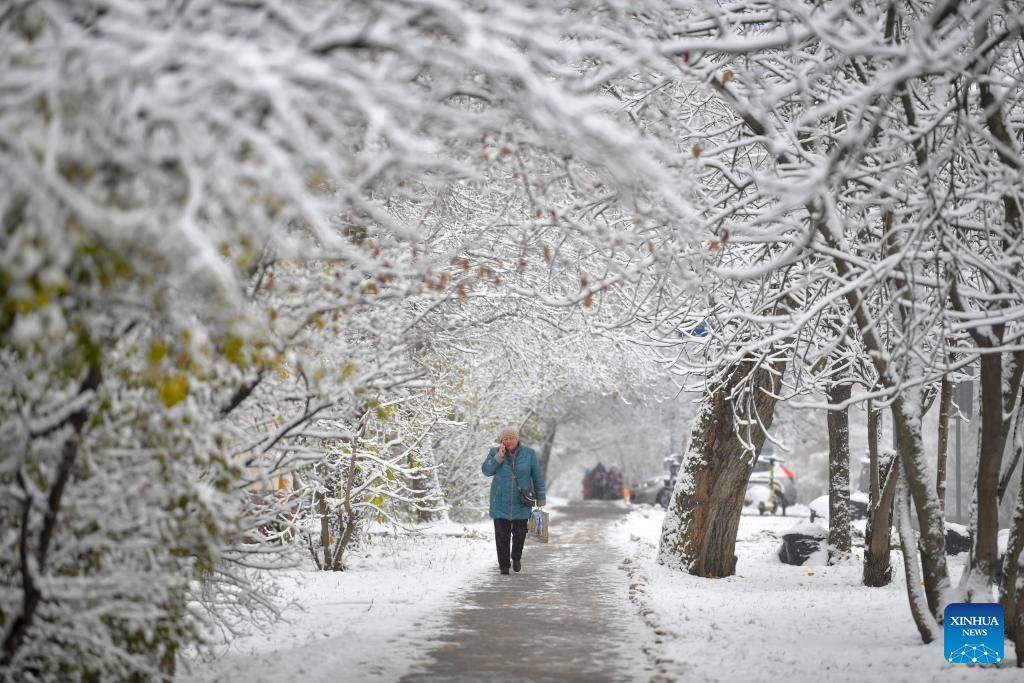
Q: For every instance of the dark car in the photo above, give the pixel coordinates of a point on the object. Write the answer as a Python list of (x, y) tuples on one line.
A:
[(657, 490), (653, 491)]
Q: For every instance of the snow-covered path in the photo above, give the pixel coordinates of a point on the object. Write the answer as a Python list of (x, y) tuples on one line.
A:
[(565, 617)]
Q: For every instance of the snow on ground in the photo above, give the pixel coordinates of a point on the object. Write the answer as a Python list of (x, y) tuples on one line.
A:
[(776, 622), (371, 622)]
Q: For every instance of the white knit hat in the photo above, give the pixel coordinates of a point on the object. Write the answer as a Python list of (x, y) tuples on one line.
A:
[(508, 430)]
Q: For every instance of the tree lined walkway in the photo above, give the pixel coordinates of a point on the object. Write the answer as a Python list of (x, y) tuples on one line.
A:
[(565, 617)]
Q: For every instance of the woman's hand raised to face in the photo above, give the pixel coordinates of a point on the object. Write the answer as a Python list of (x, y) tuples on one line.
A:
[(500, 457)]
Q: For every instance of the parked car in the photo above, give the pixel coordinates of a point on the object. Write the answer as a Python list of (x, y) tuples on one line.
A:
[(657, 490), (858, 506), (654, 491), (858, 499), (769, 472)]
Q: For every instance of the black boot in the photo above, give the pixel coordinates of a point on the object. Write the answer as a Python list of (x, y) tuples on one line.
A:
[(516, 565), (504, 570)]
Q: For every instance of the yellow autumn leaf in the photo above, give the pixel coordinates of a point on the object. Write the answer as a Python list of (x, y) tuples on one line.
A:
[(156, 352), (173, 389), (233, 350)]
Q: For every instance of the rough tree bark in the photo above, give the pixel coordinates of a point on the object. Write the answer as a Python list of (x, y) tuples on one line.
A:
[(878, 534), (945, 407), (990, 456), (838, 475), (699, 532), (999, 385)]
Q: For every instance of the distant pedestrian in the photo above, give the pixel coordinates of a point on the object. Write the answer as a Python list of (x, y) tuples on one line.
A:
[(515, 469), (598, 481)]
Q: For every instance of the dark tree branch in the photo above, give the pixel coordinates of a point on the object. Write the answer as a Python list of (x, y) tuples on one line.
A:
[(31, 593)]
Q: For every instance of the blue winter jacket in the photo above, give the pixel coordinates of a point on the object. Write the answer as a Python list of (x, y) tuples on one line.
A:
[(504, 498)]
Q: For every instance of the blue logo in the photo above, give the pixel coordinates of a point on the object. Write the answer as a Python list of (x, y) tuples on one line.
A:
[(973, 633)]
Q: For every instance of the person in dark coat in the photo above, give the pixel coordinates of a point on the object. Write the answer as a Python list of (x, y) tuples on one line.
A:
[(514, 467), (598, 482)]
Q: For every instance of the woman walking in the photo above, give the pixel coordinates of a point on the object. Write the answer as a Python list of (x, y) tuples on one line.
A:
[(517, 483)]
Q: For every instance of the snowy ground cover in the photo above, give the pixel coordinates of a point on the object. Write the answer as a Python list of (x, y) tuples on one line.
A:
[(779, 622), (371, 622)]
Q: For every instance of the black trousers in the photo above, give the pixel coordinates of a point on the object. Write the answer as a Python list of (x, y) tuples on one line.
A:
[(506, 530)]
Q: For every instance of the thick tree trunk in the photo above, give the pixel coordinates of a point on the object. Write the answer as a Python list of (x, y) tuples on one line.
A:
[(878, 541), (990, 456), (699, 532), (838, 475), (945, 407)]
